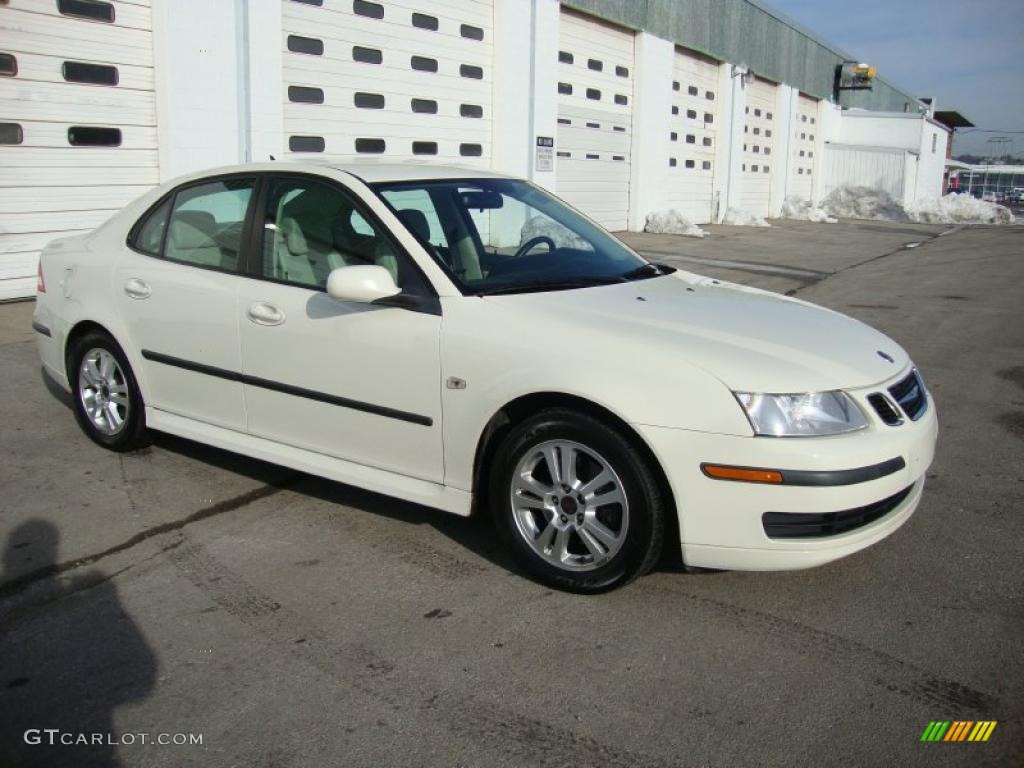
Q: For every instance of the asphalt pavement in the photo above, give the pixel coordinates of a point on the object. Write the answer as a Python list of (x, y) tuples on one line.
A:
[(291, 621)]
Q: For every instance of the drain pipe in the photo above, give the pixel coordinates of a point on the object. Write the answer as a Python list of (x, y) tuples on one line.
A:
[(244, 81)]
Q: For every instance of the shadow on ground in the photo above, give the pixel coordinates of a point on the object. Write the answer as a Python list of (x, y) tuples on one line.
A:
[(62, 681)]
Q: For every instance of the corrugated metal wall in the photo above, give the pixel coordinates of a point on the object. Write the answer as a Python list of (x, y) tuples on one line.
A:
[(744, 32), (876, 167)]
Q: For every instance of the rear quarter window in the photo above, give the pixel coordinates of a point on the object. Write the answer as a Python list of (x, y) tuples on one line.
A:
[(149, 232)]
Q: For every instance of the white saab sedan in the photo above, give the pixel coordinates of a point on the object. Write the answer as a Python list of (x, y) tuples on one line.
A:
[(464, 340)]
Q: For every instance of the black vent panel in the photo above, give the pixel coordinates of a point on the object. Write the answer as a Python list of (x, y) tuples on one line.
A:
[(885, 409), (910, 395), (809, 525)]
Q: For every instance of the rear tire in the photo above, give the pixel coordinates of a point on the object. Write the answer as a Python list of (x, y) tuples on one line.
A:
[(105, 395), (576, 503)]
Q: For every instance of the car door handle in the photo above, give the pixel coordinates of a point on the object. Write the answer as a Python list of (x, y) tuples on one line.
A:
[(265, 314), (137, 289)]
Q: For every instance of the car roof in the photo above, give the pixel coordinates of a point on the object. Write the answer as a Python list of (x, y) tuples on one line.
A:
[(411, 171), (370, 172)]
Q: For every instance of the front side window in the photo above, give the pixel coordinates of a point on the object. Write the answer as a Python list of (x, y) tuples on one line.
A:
[(506, 236), (205, 227), (311, 227)]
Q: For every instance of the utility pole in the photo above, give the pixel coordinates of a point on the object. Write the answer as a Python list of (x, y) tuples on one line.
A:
[(998, 141)]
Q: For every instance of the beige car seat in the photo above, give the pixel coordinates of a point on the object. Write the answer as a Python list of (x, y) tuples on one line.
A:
[(191, 239), (304, 249)]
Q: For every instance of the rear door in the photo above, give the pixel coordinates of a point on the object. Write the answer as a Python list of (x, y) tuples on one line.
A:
[(359, 382), (176, 285)]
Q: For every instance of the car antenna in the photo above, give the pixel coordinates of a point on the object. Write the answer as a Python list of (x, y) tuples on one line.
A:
[(273, 158)]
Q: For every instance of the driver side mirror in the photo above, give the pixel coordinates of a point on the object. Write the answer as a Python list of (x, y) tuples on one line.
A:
[(362, 284)]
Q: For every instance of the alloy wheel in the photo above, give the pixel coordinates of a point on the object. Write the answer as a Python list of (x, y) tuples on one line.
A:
[(103, 391), (569, 505)]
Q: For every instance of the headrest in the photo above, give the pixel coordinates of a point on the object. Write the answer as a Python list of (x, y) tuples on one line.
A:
[(416, 221), (185, 236), (294, 239), (315, 210), (201, 220)]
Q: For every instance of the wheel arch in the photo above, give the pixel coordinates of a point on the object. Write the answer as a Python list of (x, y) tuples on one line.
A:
[(524, 406), (80, 329), (85, 326)]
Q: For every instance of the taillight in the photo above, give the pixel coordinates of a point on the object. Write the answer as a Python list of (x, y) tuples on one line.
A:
[(40, 281)]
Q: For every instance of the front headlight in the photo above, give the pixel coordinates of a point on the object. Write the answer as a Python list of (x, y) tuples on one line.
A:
[(810, 414)]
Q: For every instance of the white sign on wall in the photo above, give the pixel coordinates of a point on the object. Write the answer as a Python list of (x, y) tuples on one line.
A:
[(545, 154)]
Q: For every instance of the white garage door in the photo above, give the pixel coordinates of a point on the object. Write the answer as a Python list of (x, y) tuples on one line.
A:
[(802, 142), (595, 114), (758, 138), (693, 136), (393, 81), (77, 123)]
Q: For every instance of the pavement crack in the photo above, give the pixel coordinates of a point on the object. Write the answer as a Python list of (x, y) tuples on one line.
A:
[(827, 276), (735, 265), (22, 582)]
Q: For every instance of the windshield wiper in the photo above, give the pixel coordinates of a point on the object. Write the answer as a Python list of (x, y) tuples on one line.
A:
[(644, 271), (559, 285)]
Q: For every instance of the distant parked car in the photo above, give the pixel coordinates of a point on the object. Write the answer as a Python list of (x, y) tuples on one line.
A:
[(463, 340)]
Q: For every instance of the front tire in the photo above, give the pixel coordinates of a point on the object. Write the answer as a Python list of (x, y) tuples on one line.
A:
[(106, 398), (576, 502)]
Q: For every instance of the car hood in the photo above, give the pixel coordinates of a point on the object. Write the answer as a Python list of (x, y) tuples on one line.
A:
[(750, 339)]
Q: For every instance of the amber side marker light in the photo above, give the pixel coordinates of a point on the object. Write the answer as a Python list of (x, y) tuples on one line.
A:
[(40, 280), (742, 474)]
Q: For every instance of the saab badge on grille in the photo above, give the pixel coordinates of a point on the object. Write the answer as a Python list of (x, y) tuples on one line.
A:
[(886, 356)]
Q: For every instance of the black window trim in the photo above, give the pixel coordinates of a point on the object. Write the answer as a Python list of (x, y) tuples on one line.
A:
[(250, 256)]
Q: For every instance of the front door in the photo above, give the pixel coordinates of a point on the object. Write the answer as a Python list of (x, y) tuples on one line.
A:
[(177, 292), (359, 382)]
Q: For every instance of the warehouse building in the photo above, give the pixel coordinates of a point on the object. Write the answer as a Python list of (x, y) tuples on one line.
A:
[(623, 108)]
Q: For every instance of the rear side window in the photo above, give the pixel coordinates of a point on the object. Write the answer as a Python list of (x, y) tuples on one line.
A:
[(149, 236), (201, 225), (205, 228)]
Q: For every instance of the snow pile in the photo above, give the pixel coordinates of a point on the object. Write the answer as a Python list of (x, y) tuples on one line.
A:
[(960, 209), (744, 219), (802, 210), (863, 203), (542, 226), (868, 203), (672, 222)]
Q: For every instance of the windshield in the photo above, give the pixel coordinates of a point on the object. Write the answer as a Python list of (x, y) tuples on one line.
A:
[(506, 236)]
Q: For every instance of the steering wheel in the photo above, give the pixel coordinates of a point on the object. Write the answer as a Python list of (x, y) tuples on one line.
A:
[(532, 243)]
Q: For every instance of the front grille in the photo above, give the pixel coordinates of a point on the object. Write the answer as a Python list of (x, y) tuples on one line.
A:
[(886, 410), (806, 525), (910, 395)]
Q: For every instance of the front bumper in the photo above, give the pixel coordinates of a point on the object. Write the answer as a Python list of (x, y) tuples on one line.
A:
[(721, 522)]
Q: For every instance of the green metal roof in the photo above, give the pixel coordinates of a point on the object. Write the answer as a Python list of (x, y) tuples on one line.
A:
[(750, 33)]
